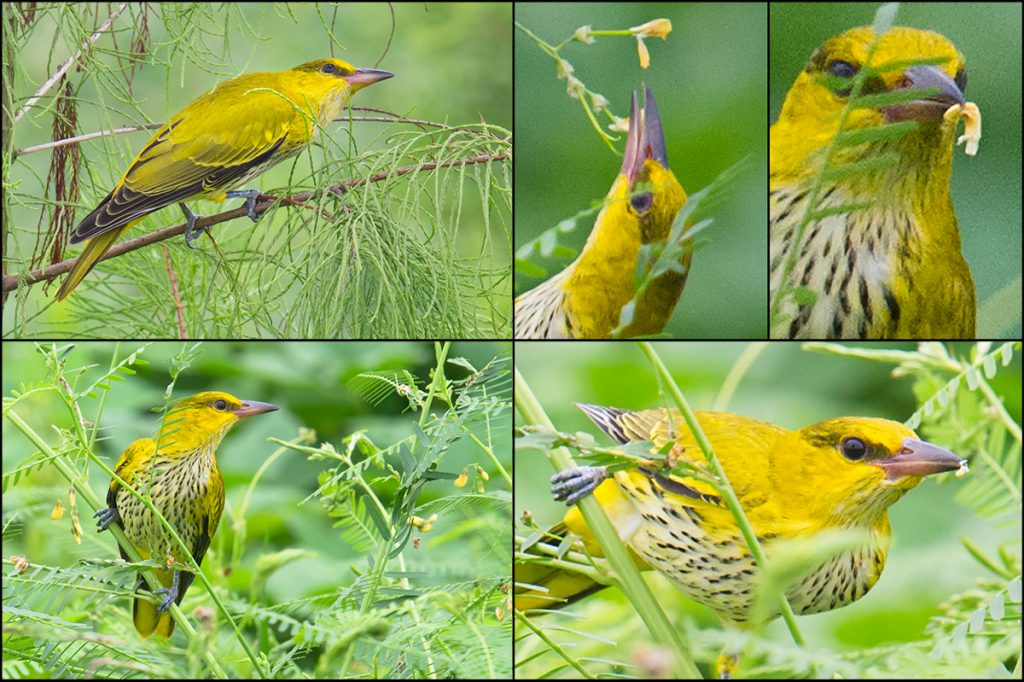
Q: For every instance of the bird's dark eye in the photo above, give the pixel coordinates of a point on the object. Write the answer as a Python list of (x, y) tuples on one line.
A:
[(641, 203), (961, 80), (220, 405), (841, 69), (854, 449), (329, 68)]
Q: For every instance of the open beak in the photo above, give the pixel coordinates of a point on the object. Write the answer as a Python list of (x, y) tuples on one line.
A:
[(252, 407), (930, 107), (918, 458), (645, 139)]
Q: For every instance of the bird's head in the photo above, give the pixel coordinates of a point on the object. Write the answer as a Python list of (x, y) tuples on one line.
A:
[(903, 59), (205, 418), (650, 191), (330, 83), (853, 468)]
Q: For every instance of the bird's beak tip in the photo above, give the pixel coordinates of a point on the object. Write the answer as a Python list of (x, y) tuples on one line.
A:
[(646, 139)]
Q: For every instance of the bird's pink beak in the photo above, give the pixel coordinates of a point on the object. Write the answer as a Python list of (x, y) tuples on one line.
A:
[(645, 139), (368, 76), (252, 407)]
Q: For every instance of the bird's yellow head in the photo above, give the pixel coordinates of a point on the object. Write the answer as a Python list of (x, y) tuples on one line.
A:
[(204, 419), (331, 82), (849, 470), (904, 58), (646, 189)]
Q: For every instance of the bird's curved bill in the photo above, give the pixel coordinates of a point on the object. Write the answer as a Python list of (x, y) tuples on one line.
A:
[(919, 458), (944, 94), (646, 139), (252, 407), (369, 76)]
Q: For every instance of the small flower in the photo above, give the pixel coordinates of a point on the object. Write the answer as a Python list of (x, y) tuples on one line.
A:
[(582, 34), (463, 478), (598, 102), (656, 28), (619, 125), (20, 563), (574, 86), (645, 56)]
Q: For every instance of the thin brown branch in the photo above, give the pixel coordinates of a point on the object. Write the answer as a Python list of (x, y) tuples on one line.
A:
[(12, 282)]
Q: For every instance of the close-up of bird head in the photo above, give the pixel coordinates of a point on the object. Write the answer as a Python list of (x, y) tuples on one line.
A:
[(340, 78), (902, 59), (207, 415), (873, 462), (655, 195)]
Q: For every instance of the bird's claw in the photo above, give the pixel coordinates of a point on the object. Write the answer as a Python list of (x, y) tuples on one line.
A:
[(106, 516), (250, 196), (191, 231), (572, 485), (170, 593)]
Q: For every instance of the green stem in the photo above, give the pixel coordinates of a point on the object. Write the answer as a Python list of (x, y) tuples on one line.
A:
[(728, 494), (627, 575)]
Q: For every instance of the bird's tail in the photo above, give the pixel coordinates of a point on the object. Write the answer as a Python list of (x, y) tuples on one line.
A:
[(92, 254), (145, 615)]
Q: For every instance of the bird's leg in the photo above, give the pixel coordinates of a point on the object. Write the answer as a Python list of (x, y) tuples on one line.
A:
[(171, 593), (190, 225), (250, 196), (572, 485)]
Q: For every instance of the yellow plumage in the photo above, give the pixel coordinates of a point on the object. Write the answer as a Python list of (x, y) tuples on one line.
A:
[(182, 479), (838, 474), (883, 259), (585, 300), (221, 140)]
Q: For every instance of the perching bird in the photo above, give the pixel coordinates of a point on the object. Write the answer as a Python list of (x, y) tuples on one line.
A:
[(585, 300), (840, 474), (182, 480), (221, 140), (882, 257)]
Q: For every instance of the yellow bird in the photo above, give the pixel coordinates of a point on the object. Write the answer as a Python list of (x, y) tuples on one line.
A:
[(221, 140), (880, 256), (585, 300), (178, 471), (836, 475)]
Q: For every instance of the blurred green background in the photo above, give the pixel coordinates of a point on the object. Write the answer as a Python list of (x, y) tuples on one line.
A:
[(708, 78), (309, 383), (791, 387), (986, 188), (452, 64)]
